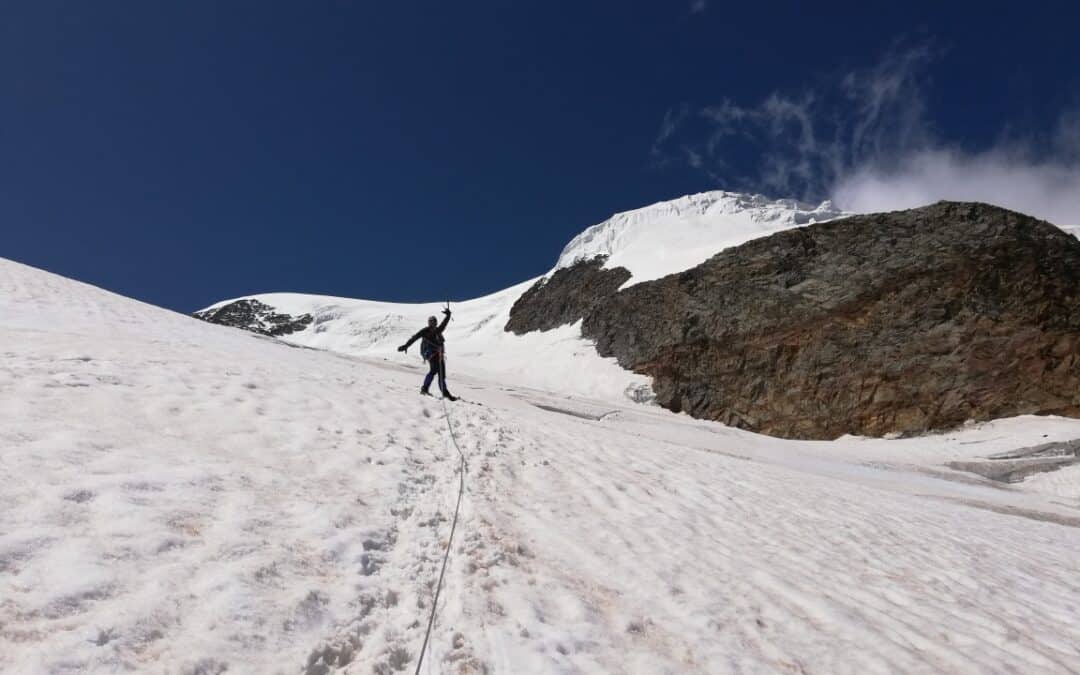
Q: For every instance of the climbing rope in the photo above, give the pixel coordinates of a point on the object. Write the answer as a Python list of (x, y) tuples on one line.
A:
[(450, 543)]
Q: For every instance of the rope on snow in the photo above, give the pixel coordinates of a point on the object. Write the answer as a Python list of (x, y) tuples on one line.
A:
[(450, 542)]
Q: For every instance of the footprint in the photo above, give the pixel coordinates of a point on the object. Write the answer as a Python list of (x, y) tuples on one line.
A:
[(79, 496), (77, 603), (309, 612), (333, 655), (104, 637), (205, 667), (369, 565), (396, 661)]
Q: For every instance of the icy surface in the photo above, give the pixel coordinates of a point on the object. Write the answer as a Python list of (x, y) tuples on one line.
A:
[(180, 497)]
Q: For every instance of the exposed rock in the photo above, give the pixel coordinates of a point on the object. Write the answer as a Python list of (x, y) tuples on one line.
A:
[(566, 296), (256, 317), (899, 322)]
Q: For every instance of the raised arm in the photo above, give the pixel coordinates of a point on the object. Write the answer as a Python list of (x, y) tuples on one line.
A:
[(445, 319)]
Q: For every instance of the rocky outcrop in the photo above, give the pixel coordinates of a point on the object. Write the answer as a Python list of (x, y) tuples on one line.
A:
[(889, 323), (566, 296), (255, 316)]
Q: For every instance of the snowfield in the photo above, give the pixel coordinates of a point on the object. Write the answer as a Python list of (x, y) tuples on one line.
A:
[(671, 236), (186, 498), (651, 242), (557, 359)]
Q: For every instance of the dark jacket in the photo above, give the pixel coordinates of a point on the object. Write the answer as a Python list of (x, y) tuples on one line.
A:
[(432, 337)]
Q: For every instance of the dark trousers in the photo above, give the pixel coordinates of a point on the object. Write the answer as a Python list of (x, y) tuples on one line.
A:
[(438, 367)]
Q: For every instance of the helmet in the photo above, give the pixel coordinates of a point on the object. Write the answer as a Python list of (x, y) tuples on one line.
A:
[(432, 321)]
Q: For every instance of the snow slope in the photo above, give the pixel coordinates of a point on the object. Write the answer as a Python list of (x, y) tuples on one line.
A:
[(653, 241), (186, 498), (676, 235), (477, 343)]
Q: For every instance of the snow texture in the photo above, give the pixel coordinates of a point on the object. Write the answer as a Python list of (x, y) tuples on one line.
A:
[(181, 497), (676, 235), (559, 359), (652, 241)]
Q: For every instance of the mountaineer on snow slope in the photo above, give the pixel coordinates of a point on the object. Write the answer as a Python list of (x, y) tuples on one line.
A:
[(433, 349)]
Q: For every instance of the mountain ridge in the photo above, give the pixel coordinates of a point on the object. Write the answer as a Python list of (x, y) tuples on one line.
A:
[(902, 322), (545, 345)]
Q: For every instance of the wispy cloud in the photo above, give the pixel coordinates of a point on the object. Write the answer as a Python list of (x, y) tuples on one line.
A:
[(1046, 189), (698, 6), (864, 138)]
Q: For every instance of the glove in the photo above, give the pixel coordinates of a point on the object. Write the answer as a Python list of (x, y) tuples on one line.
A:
[(446, 311), (402, 348)]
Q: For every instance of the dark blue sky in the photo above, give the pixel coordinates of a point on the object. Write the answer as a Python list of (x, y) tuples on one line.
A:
[(185, 152)]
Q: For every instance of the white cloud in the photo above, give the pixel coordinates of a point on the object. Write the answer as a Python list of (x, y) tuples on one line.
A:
[(1046, 189), (670, 124), (865, 139)]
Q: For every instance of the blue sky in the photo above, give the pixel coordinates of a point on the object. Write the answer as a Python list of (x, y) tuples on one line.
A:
[(186, 152)]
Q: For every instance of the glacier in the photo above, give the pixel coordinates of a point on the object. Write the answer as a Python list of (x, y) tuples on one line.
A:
[(180, 497)]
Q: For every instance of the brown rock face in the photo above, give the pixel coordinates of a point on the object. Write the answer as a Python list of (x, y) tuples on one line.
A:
[(896, 322), (567, 296)]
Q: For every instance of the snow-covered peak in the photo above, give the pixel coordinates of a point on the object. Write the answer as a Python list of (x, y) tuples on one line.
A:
[(651, 242), (673, 236)]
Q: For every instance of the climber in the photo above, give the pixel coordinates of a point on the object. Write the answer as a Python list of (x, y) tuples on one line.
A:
[(433, 349)]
